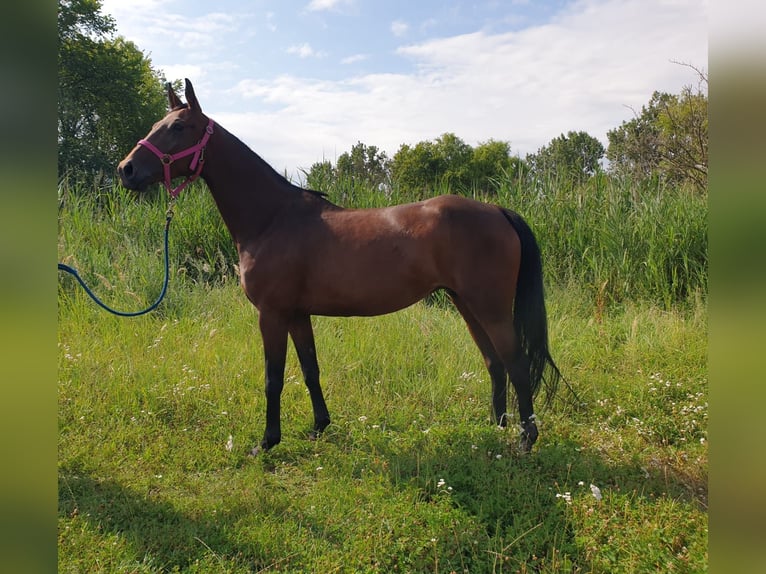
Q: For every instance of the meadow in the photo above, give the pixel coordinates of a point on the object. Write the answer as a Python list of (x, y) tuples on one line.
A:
[(157, 413)]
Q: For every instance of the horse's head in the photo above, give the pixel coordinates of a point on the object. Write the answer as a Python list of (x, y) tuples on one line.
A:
[(184, 131)]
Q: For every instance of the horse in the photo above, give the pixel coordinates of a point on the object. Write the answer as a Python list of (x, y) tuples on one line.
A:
[(301, 255)]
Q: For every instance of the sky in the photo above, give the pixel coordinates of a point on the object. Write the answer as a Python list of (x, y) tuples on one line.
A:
[(302, 81)]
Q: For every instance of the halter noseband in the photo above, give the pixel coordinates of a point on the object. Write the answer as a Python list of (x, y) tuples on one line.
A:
[(196, 163)]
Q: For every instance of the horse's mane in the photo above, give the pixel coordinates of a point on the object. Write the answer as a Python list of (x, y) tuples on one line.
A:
[(274, 174), (283, 180)]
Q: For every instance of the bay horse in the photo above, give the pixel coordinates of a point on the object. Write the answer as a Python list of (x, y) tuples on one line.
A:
[(301, 255)]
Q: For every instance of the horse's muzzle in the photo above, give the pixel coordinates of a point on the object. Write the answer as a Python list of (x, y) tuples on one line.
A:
[(131, 177)]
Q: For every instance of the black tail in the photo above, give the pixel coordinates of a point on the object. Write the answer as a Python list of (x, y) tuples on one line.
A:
[(529, 317)]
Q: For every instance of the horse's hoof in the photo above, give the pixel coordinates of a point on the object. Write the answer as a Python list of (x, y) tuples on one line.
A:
[(264, 446), (256, 450), (528, 436)]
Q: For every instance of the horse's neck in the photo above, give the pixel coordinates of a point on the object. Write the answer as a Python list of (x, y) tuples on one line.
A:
[(247, 191)]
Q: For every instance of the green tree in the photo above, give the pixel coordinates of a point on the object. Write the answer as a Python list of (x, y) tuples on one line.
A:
[(668, 139), (490, 160), (108, 93), (454, 157), (364, 165), (417, 169), (572, 158), (422, 169), (683, 128), (634, 147)]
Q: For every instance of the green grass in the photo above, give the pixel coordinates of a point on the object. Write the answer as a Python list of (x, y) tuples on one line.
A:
[(410, 477)]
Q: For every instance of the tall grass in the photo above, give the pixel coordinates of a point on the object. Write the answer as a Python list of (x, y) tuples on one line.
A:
[(619, 240)]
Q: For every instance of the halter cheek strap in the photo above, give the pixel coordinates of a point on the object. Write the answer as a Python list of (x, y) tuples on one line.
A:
[(195, 165)]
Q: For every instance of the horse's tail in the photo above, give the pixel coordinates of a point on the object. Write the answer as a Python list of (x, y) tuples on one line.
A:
[(529, 316)]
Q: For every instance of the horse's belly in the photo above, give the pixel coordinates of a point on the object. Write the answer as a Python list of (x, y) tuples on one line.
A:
[(369, 288)]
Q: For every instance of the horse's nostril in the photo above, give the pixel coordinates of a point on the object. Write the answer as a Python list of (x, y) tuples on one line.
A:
[(127, 170)]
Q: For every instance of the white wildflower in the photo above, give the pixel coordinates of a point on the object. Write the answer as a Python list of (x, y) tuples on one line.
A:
[(596, 491), (230, 443)]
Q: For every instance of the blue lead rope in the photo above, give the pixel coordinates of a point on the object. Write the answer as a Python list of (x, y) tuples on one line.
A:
[(153, 306)]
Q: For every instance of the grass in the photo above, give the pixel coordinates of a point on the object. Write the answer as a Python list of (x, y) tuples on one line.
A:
[(157, 414)]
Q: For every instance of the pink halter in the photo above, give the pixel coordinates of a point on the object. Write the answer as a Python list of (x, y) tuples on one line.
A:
[(196, 163)]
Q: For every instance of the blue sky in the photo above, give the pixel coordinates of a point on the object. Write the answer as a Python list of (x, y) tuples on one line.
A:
[(303, 80)]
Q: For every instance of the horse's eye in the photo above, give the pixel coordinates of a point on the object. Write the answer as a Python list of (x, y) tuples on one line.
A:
[(177, 127)]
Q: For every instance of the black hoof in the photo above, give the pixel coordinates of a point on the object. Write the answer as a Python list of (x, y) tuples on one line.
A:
[(266, 444), (318, 429), (255, 451), (528, 435)]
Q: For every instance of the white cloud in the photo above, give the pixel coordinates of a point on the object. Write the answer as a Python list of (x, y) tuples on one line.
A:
[(578, 72), (399, 27), (270, 23), (154, 23), (319, 5), (353, 59), (180, 71), (304, 51)]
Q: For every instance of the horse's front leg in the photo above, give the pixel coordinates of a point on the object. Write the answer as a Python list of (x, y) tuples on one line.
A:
[(274, 334), (303, 339)]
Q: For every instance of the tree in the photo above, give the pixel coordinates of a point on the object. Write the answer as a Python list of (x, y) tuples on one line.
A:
[(572, 158), (417, 169), (454, 157), (634, 147), (668, 140), (683, 128), (109, 95), (490, 160), (445, 161), (366, 165)]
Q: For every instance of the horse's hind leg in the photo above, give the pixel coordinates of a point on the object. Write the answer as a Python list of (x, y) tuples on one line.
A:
[(496, 338), (303, 338), (516, 361), (519, 373), (492, 360)]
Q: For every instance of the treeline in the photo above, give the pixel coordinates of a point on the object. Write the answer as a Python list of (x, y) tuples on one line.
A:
[(666, 143)]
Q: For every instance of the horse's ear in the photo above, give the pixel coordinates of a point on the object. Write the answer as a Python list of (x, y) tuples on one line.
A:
[(173, 99), (191, 99)]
